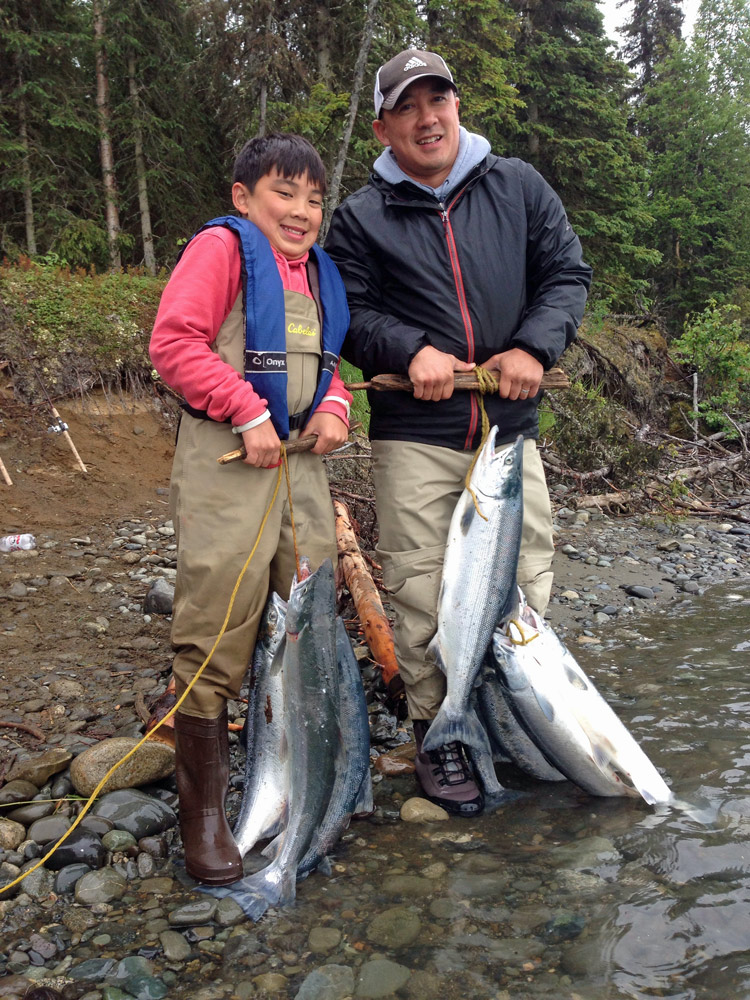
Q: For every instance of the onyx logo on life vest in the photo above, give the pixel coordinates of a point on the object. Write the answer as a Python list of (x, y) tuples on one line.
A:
[(265, 361)]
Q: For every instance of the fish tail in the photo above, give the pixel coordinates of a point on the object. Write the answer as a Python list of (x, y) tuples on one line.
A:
[(245, 894), (287, 887), (496, 800), (464, 728)]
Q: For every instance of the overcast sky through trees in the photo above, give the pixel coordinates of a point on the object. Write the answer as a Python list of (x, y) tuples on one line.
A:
[(614, 16)]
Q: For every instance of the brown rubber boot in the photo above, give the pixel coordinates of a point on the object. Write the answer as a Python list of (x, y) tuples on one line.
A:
[(446, 776), (202, 771)]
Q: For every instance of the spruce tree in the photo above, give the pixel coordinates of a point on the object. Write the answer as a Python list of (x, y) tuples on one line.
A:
[(649, 33), (44, 124), (573, 128), (700, 181)]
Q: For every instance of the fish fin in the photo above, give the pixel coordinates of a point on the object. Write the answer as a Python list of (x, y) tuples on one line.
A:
[(287, 888), (278, 657), (509, 609), (495, 800), (466, 729), (576, 678), (434, 653), (272, 849), (324, 866), (545, 705), (485, 771), (364, 804), (243, 892)]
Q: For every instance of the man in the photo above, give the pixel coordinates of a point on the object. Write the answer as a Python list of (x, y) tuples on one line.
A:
[(452, 257)]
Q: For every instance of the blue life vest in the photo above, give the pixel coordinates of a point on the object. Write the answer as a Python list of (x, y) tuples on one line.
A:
[(265, 327)]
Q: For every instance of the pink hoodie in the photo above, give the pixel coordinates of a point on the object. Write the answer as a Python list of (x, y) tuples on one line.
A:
[(197, 299)]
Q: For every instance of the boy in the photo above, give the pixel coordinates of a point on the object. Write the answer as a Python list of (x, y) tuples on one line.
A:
[(249, 330)]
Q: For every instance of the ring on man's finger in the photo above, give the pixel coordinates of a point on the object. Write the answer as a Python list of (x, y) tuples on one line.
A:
[(524, 390)]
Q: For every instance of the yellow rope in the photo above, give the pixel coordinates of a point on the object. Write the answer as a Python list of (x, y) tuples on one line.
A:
[(524, 640), (291, 510), (184, 695), (487, 383)]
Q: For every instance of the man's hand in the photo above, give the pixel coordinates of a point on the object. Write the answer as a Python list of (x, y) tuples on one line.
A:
[(431, 372), (262, 446), (518, 373), (330, 430)]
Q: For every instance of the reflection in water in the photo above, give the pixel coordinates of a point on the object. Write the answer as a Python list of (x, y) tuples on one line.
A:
[(572, 896), (687, 935)]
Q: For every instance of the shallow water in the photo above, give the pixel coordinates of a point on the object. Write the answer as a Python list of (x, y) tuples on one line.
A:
[(563, 895)]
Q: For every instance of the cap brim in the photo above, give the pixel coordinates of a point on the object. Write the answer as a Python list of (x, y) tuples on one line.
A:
[(392, 99)]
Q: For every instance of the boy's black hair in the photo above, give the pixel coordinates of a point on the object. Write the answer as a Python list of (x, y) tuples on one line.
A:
[(290, 154)]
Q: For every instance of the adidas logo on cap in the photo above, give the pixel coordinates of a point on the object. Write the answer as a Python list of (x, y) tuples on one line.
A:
[(395, 75)]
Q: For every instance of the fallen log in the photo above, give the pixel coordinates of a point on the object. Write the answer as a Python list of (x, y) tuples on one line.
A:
[(377, 629)]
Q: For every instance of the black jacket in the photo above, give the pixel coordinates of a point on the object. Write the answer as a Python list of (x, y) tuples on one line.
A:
[(495, 266)]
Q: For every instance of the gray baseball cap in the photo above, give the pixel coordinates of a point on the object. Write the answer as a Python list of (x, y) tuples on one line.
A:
[(395, 76)]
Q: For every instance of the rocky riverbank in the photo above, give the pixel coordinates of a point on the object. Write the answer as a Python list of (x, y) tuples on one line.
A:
[(113, 917)]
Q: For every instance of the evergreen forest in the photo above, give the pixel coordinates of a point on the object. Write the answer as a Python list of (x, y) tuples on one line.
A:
[(120, 119)]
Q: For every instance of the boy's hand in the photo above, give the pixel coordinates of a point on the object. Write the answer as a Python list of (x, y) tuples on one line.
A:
[(519, 374), (262, 446), (330, 430)]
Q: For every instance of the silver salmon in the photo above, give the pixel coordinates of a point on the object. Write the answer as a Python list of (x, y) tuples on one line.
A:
[(478, 589), (352, 789), (508, 738), (567, 717), (264, 797), (311, 699)]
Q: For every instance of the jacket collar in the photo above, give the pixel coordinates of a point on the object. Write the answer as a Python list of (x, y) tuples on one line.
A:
[(407, 194)]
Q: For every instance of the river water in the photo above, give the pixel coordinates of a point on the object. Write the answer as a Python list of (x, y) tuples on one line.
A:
[(568, 896)]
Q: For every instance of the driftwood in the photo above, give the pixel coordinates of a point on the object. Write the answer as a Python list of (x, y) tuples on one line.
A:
[(375, 624), (160, 707), (292, 448), (24, 728), (698, 472), (4, 473), (601, 500), (464, 381)]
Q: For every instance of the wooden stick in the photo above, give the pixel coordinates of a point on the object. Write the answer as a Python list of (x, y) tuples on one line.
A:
[(24, 727), (292, 448), (4, 473), (555, 378), (377, 629), (69, 440)]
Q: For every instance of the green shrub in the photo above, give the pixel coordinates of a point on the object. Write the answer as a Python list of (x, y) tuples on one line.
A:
[(74, 328), (360, 406), (590, 432), (713, 344)]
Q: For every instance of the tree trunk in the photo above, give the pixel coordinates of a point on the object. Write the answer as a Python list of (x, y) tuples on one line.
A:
[(532, 112), (28, 200), (359, 76), (140, 167), (105, 142), (323, 43), (265, 69)]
